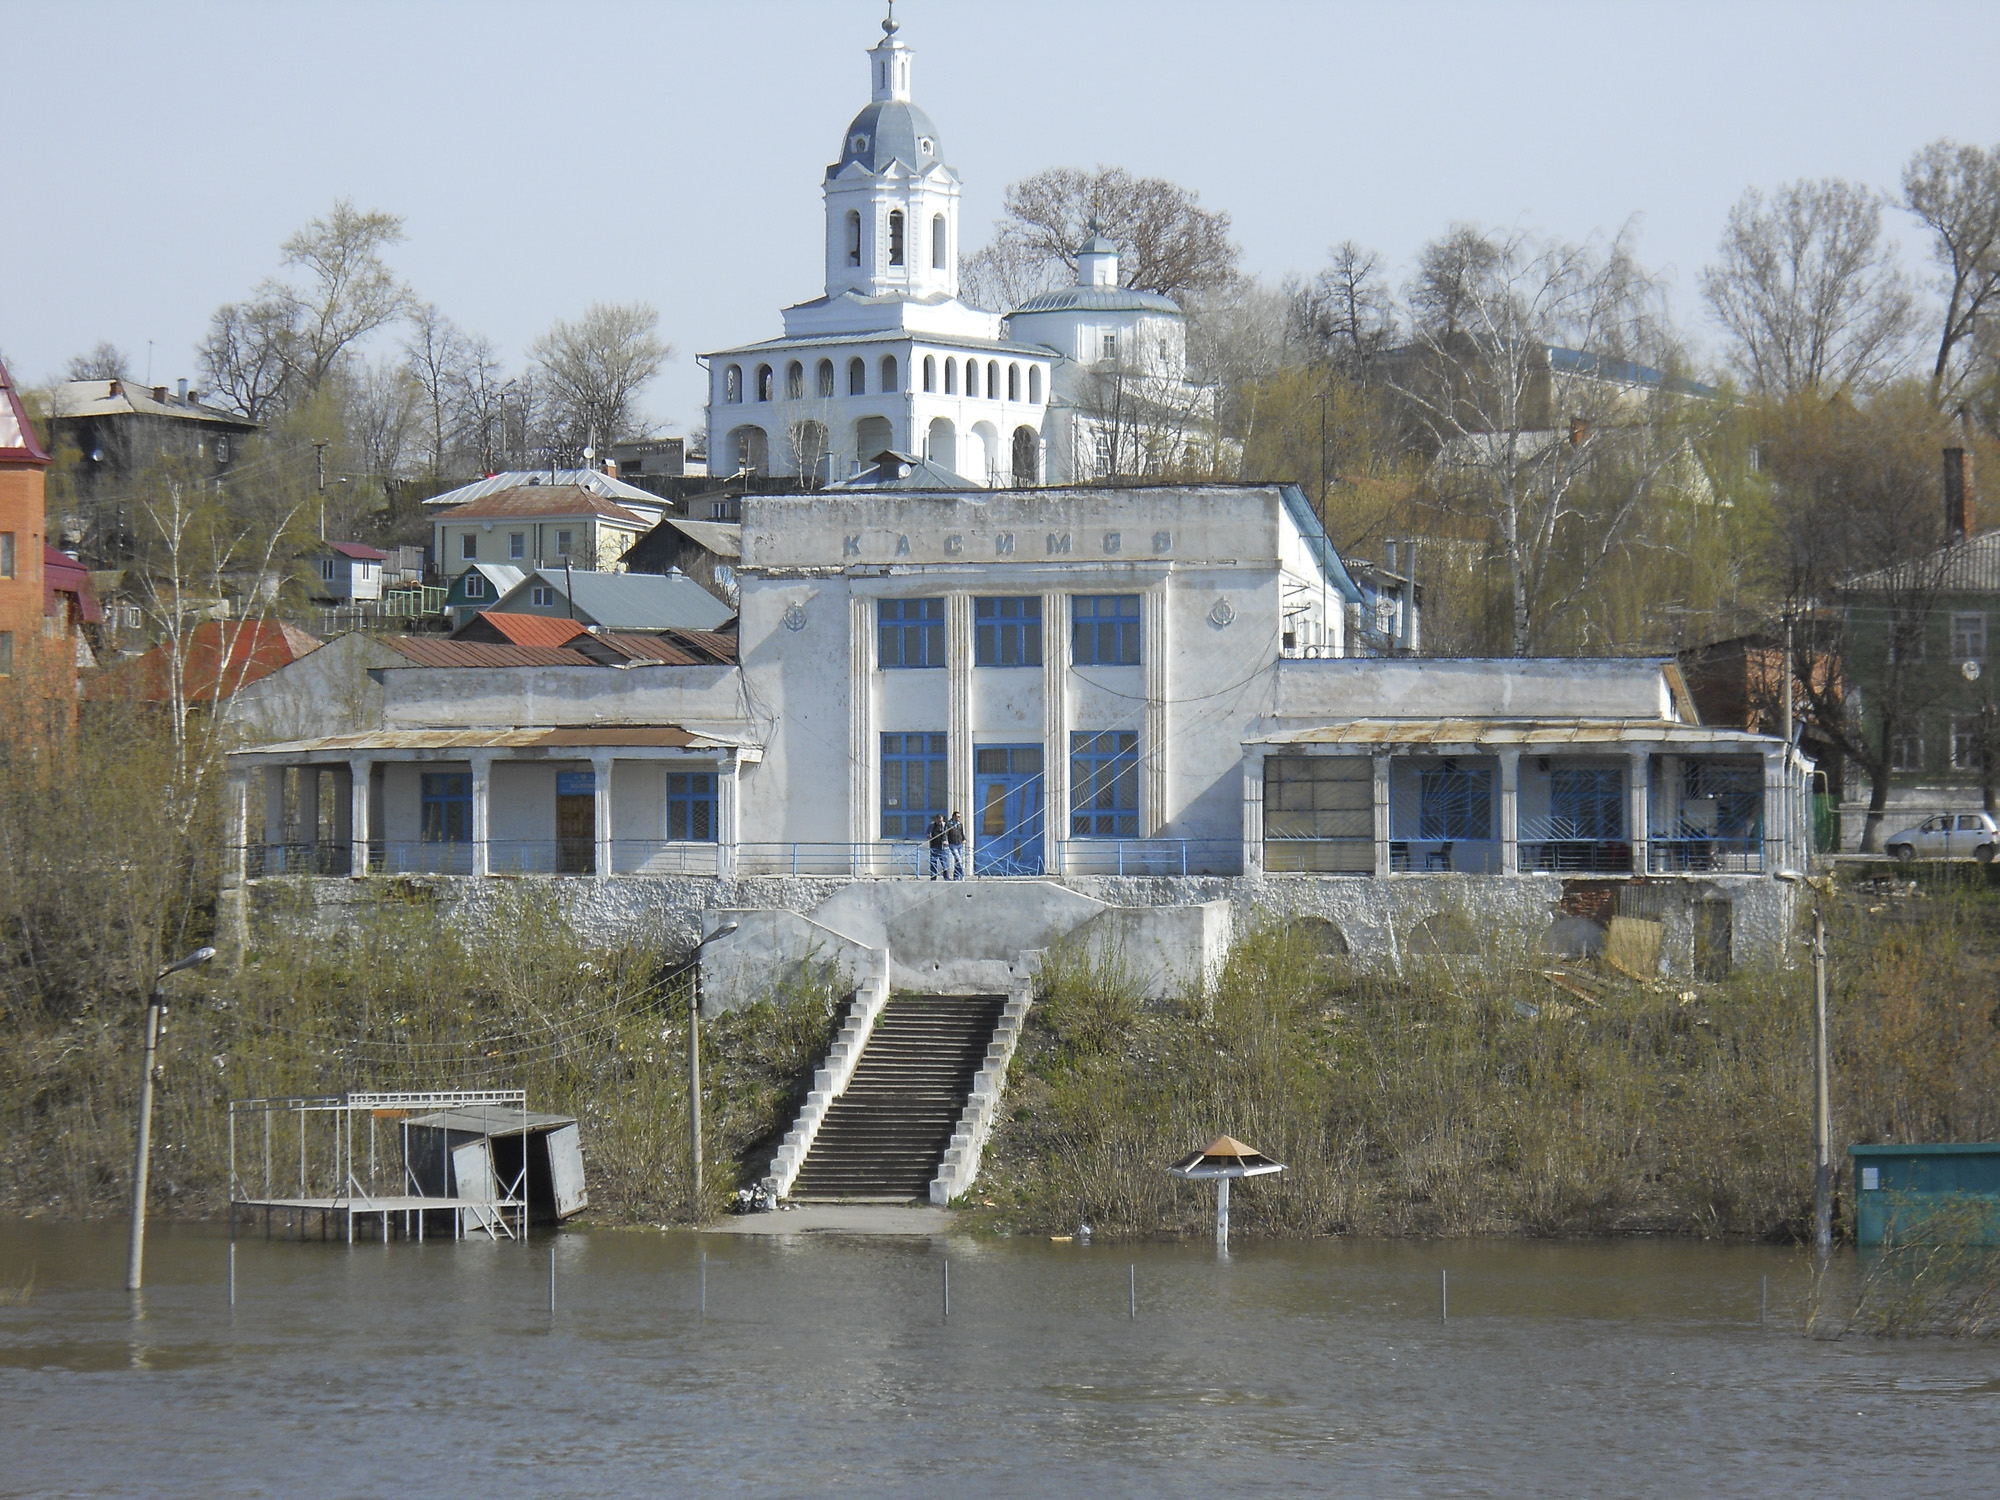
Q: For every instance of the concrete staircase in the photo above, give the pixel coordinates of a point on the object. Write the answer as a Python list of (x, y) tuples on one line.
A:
[(886, 1133)]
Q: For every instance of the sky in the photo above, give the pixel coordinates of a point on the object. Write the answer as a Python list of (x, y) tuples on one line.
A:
[(545, 156)]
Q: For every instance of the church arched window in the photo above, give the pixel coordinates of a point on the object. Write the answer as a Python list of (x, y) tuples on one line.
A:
[(889, 373), (857, 376), (732, 384), (937, 242), (763, 382), (795, 381), (930, 373), (853, 238), (950, 376), (824, 383), (1026, 456), (972, 377), (1013, 382), (1035, 384), (992, 380), (895, 237)]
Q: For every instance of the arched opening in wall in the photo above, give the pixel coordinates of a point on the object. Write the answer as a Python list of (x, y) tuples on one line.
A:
[(795, 381), (873, 435), (1322, 938), (732, 384), (857, 376), (825, 377), (889, 373), (1035, 384), (763, 382), (809, 447), (993, 380), (941, 444), (1013, 382), (930, 373), (1027, 452), (853, 238), (951, 377), (972, 377), (986, 453), (937, 242), (751, 450), (895, 237)]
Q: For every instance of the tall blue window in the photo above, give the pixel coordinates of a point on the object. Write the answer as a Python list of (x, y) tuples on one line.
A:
[(1587, 802), (691, 806), (910, 633), (1007, 632), (1104, 630), (447, 807), (913, 784), (1104, 786), (1455, 803)]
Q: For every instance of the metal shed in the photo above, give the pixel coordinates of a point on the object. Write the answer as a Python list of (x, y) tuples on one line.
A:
[(1896, 1188), (491, 1152)]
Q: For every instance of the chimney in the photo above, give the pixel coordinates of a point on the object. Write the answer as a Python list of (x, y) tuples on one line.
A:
[(181, 390), (117, 388), (160, 394), (1958, 493)]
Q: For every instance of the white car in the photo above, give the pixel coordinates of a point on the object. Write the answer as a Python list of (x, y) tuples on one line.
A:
[(1947, 836)]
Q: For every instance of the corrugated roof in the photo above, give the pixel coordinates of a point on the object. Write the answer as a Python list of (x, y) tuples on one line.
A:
[(723, 538), (430, 651), (522, 630), (546, 500), (583, 737), (357, 551), (673, 648), (598, 484), (1552, 732), (626, 601), (18, 443), (1968, 567), (669, 648), (1098, 299)]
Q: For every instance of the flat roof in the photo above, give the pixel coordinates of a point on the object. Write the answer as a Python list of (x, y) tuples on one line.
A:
[(1469, 731)]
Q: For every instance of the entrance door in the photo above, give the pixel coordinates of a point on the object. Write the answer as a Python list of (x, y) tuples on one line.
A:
[(576, 823), (1007, 810)]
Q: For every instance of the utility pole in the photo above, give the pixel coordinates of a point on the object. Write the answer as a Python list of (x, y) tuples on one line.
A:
[(156, 1006), (319, 467), (694, 1063), (1822, 1113)]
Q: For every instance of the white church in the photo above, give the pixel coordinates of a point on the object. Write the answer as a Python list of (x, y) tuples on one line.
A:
[(1081, 383)]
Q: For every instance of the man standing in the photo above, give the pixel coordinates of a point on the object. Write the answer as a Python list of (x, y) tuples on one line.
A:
[(936, 831), (954, 834)]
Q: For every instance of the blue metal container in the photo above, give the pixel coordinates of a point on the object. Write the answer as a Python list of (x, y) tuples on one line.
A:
[(1896, 1188)]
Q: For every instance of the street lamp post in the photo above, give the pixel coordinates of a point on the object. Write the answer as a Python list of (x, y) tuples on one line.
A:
[(694, 1063), (1822, 1079), (155, 1003)]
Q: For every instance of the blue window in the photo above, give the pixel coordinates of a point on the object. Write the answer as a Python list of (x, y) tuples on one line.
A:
[(913, 784), (447, 807), (1007, 632), (1104, 786), (910, 633), (1587, 802), (1455, 803), (1105, 630), (691, 806)]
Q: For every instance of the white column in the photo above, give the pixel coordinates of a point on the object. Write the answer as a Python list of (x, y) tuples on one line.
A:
[(863, 753), (1381, 764), (1155, 648), (359, 833), (1253, 812), (1778, 853), (274, 861), (309, 816), (1638, 792), (482, 815), (1510, 812), (1055, 723), (728, 816), (600, 767), (236, 827), (958, 694)]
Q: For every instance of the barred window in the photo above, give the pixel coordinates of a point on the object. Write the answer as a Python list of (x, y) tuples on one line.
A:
[(914, 785), (1104, 785), (691, 806)]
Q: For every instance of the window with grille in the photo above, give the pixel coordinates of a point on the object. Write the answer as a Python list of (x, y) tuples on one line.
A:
[(447, 807), (1455, 803), (691, 806), (1104, 630), (1587, 802), (1104, 785), (1319, 814), (1007, 632), (909, 633), (914, 785)]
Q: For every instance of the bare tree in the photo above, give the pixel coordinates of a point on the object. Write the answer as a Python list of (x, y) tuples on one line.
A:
[(1345, 315), (385, 414), (436, 355), (593, 368), (1168, 243), (105, 362), (1809, 289), (1955, 191), (1526, 377), (245, 359)]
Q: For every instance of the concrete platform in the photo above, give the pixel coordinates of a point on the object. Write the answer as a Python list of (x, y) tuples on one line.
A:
[(840, 1218)]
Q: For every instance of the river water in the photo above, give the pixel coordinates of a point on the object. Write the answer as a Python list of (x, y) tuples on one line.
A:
[(825, 1363)]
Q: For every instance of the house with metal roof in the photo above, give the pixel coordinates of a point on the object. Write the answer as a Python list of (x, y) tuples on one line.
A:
[(537, 525), (617, 601), (348, 572), (478, 586), (119, 428)]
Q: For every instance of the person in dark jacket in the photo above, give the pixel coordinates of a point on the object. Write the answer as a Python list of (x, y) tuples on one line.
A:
[(954, 835), (936, 831)]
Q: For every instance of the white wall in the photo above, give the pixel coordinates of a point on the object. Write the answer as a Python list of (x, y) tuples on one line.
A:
[(1405, 688)]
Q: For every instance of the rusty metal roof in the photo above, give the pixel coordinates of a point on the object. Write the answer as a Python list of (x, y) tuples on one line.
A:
[(585, 737), (546, 500), (578, 648), (430, 651), (1508, 732), (520, 630)]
